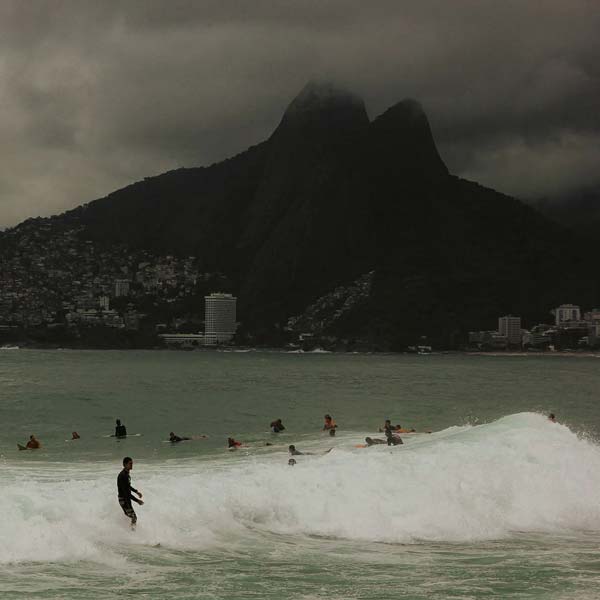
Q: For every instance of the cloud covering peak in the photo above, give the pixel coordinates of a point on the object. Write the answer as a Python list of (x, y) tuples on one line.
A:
[(97, 95)]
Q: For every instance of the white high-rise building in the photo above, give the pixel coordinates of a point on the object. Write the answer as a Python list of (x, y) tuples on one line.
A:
[(510, 327), (219, 317), (566, 313), (121, 287)]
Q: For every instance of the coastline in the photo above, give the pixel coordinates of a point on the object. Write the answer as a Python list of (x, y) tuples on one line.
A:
[(316, 351)]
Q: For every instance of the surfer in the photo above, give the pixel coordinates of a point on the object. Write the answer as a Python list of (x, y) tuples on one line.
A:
[(75, 436), (175, 438), (231, 443), (124, 490), (293, 452), (276, 426), (33, 443), (329, 423), (392, 440), (552, 417), (374, 441), (292, 462), (120, 430)]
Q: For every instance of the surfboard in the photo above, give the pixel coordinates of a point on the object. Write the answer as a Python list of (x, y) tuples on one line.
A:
[(112, 435), (22, 447)]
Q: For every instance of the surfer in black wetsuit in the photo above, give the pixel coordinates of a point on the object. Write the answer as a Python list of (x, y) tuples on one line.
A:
[(124, 490), (175, 438), (120, 430)]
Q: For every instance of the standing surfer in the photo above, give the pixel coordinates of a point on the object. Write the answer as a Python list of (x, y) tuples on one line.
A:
[(124, 490)]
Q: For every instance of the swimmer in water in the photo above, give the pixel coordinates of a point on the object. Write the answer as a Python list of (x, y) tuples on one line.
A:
[(552, 417), (292, 462), (329, 423), (33, 443), (75, 436), (276, 426), (231, 443)]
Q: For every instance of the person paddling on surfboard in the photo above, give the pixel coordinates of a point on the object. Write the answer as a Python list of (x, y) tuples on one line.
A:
[(231, 443), (124, 490), (293, 452), (374, 441), (120, 430), (175, 438), (75, 436)]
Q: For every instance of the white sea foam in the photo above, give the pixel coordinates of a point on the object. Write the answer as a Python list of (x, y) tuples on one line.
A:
[(518, 474)]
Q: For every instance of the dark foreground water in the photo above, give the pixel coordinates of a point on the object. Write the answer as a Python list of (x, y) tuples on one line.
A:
[(496, 503)]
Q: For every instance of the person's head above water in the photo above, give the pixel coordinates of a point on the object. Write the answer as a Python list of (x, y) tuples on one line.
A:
[(118, 421), (291, 447), (552, 417), (388, 423), (128, 463), (332, 432), (292, 462)]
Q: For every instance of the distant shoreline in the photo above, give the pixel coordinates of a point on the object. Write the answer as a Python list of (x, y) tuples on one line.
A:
[(559, 353), (248, 349)]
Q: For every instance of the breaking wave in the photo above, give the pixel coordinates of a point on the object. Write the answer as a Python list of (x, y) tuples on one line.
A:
[(464, 484)]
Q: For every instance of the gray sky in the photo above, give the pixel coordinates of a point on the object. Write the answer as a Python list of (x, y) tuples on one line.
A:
[(96, 95)]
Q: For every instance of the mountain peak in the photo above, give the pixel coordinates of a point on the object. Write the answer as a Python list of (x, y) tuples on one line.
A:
[(318, 95), (402, 133)]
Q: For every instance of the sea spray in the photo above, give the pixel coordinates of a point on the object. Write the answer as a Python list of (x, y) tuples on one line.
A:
[(521, 473)]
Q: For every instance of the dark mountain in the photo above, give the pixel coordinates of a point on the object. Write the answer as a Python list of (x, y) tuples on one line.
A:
[(578, 210), (330, 197)]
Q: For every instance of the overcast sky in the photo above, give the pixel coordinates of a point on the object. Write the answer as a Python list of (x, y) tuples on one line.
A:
[(95, 95)]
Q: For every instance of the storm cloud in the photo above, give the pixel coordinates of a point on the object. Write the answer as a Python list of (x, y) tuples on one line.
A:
[(96, 95)]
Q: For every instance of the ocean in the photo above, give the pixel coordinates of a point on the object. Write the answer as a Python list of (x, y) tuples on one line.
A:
[(496, 502)]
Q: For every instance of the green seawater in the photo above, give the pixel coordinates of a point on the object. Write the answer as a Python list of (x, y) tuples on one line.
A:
[(496, 502)]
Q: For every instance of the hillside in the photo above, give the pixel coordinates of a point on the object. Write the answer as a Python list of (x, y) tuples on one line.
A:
[(331, 197)]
